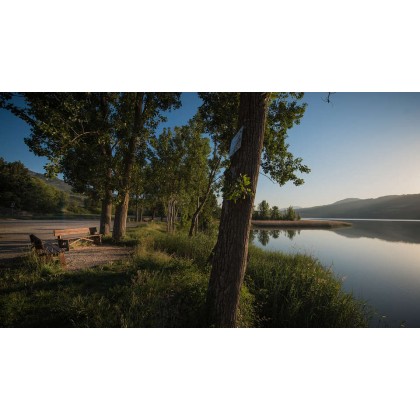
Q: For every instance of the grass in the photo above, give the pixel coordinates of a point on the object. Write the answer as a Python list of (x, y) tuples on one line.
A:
[(297, 291), (164, 285)]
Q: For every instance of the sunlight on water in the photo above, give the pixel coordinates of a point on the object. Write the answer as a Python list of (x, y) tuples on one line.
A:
[(375, 263)]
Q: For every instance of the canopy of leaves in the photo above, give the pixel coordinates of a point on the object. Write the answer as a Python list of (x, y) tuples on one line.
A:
[(84, 135), (220, 111), (178, 165)]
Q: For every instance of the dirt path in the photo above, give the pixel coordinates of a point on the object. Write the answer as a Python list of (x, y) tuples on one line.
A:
[(91, 256)]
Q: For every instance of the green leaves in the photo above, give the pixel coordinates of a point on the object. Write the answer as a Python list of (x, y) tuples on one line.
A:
[(277, 161), (220, 113), (239, 189)]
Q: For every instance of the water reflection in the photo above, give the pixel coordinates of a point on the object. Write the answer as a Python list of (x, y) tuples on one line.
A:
[(390, 231), (378, 261), (264, 235)]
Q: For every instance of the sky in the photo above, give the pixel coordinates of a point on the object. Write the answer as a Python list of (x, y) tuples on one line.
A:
[(360, 145)]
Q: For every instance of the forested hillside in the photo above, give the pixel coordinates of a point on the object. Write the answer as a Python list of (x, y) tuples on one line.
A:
[(20, 191), (386, 207)]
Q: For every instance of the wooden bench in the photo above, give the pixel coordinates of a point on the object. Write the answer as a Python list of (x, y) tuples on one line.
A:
[(66, 237), (47, 250)]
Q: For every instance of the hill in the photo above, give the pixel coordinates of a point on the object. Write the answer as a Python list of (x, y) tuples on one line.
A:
[(77, 203), (53, 182), (386, 207)]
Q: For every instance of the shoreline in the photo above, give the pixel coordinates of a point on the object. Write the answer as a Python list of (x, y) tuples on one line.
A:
[(302, 224)]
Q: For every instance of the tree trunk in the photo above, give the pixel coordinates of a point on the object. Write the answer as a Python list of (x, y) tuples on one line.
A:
[(106, 211), (171, 215), (106, 214), (231, 250), (194, 220), (120, 222)]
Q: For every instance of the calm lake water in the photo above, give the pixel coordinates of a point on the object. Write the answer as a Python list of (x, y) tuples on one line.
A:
[(379, 261)]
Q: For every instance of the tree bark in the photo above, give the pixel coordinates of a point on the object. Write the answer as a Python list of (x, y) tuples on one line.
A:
[(106, 213), (194, 221), (120, 220), (171, 215), (231, 250)]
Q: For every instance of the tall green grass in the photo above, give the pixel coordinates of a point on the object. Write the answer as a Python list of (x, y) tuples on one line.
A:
[(297, 291)]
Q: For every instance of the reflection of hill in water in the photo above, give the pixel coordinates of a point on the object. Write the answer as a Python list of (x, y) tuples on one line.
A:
[(385, 230)]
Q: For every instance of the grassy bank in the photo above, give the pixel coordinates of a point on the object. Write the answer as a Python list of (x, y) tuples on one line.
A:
[(164, 285)]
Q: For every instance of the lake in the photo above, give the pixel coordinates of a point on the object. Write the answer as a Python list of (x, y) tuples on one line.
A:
[(378, 261)]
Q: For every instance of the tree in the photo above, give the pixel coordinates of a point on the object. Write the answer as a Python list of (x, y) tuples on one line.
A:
[(178, 162), (74, 131), (139, 114), (275, 213), (199, 171), (218, 114), (264, 210), (256, 112), (231, 250), (290, 214), (166, 156)]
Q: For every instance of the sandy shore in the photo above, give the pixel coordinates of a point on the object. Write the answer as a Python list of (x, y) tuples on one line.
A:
[(299, 224)]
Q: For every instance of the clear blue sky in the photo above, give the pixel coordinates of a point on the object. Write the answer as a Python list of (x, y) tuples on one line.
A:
[(362, 145)]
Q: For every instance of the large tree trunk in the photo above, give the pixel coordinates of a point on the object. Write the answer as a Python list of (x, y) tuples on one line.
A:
[(120, 222), (106, 214), (106, 210), (231, 250)]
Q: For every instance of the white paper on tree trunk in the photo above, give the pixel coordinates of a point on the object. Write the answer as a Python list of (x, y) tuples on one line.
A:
[(236, 142)]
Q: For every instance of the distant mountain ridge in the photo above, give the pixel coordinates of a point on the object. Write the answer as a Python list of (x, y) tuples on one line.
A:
[(386, 207), (347, 200)]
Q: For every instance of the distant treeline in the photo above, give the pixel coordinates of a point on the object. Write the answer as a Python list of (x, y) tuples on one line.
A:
[(265, 212)]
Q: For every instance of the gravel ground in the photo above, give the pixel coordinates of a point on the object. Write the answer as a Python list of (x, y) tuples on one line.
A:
[(80, 258)]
